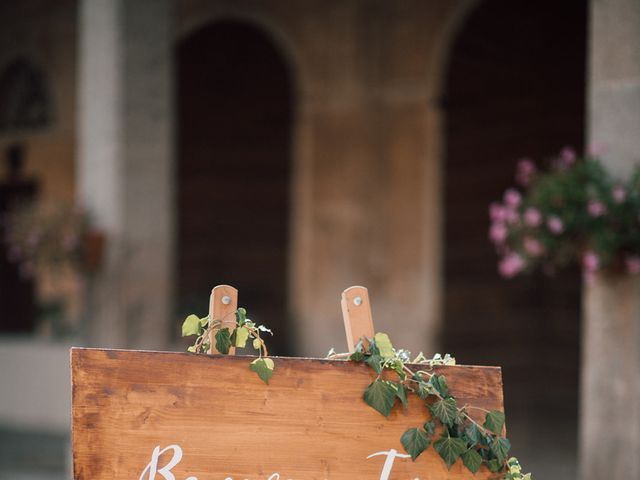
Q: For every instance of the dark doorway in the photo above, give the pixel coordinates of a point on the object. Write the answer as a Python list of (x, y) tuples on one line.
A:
[(515, 87), (235, 102)]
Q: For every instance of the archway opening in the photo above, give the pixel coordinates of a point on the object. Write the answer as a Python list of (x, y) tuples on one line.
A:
[(235, 102), (515, 87)]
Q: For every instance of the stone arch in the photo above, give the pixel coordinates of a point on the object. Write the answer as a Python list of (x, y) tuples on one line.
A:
[(268, 25), (235, 112), (526, 99)]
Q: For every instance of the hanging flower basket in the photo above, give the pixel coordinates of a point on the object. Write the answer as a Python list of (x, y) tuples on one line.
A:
[(571, 212)]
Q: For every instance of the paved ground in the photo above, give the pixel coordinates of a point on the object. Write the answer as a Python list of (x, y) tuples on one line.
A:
[(33, 456)]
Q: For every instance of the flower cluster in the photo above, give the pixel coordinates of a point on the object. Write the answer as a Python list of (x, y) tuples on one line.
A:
[(46, 236), (572, 212)]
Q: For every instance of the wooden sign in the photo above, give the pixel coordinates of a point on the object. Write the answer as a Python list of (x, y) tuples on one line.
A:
[(180, 416)]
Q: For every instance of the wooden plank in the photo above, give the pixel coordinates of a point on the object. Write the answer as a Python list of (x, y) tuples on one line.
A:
[(309, 423), (223, 304), (356, 313)]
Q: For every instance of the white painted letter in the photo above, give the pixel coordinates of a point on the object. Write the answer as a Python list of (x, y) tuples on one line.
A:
[(165, 471), (388, 463)]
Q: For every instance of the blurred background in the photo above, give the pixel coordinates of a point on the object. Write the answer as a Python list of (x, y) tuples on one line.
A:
[(155, 148)]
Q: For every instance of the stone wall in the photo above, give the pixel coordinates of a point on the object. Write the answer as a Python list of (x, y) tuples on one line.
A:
[(366, 188), (45, 34), (610, 415)]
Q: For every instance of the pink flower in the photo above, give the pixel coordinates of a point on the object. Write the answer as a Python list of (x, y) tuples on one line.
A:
[(532, 217), (590, 261), (498, 233), (511, 216), (525, 171), (497, 212), (596, 208), (619, 194), (567, 157), (555, 225), (632, 262), (512, 198), (510, 265), (532, 246)]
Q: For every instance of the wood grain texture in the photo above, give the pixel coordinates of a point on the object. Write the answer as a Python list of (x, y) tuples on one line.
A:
[(356, 313), (225, 312), (309, 423)]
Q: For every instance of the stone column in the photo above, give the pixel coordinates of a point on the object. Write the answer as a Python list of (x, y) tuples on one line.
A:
[(125, 165), (610, 414)]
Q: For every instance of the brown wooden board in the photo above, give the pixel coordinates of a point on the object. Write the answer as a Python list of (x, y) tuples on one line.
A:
[(309, 423)]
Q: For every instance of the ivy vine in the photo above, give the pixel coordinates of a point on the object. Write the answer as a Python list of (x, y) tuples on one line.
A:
[(245, 329), (452, 432)]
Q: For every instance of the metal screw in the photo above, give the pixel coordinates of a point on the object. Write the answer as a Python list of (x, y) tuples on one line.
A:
[(226, 300), (357, 301)]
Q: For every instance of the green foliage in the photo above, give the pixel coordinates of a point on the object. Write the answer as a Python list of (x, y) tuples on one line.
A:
[(384, 345), (449, 448), (415, 441), (472, 460), (462, 437), (401, 393), (242, 335), (381, 395), (500, 448), (191, 326), (245, 330), (223, 340), (439, 383), (263, 367), (445, 410), (494, 421)]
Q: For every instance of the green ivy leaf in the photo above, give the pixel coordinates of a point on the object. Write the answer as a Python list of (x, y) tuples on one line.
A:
[(500, 448), (449, 449), (423, 390), (384, 345), (472, 460), (375, 362), (380, 395), (398, 366), (256, 343), (223, 340), (357, 357), (241, 316), (445, 410), (191, 349), (204, 322), (494, 465), (242, 335), (472, 434), (429, 427), (263, 367), (401, 393), (415, 441), (494, 421), (439, 383), (190, 326)]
